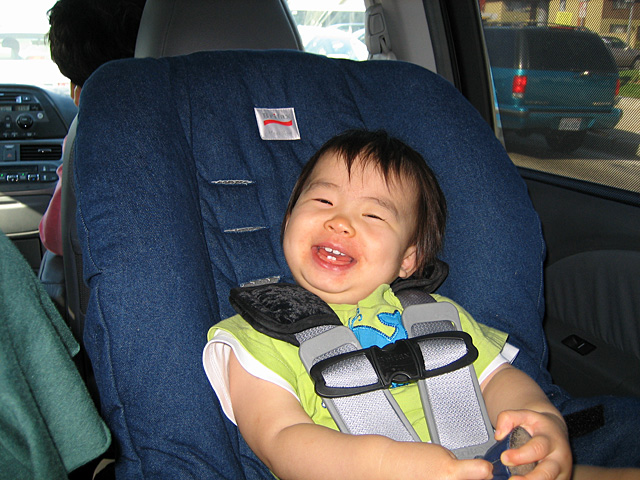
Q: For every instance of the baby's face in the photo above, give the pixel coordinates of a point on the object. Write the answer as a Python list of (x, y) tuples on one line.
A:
[(348, 235)]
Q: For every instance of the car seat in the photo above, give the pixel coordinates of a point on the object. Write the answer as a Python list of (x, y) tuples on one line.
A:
[(180, 199)]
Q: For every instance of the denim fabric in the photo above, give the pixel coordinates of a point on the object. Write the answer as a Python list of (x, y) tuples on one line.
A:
[(616, 443), (180, 200)]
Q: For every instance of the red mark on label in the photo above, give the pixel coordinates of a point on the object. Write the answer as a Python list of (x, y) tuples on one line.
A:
[(286, 124)]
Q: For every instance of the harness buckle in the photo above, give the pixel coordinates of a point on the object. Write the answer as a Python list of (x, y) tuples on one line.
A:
[(397, 363)]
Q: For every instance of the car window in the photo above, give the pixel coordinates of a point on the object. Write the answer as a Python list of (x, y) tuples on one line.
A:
[(568, 99), (331, 28), (25, 57)]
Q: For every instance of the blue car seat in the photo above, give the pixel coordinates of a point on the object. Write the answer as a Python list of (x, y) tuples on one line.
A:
[(180, 199), (187, 203)]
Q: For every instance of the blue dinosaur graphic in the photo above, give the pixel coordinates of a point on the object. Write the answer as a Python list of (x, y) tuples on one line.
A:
[(369, 335)]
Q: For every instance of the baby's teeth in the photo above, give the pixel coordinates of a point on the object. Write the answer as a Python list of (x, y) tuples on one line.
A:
[(335, 252)]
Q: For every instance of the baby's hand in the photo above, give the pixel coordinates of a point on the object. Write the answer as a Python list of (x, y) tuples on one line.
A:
[(549, 445)]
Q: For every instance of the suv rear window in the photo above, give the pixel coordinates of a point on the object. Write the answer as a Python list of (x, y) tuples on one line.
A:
[(548, 49), (567, 50), (501, 44)]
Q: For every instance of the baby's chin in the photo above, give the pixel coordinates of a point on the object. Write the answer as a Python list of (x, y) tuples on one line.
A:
[(348, 297)]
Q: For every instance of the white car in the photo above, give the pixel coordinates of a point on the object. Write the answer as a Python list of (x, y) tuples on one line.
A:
[(332, 42)]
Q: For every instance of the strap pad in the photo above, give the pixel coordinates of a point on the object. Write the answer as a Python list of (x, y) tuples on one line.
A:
[(433, 277), (281, 310)]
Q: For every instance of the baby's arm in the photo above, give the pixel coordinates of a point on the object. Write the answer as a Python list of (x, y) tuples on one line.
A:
[(513, 399), (284, 437)]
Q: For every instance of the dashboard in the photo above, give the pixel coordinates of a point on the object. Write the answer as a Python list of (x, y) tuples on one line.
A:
[(34, 123)]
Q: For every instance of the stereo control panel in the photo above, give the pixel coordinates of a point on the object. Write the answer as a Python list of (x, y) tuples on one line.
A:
[(23, 116), (33, 124), (43, 172)]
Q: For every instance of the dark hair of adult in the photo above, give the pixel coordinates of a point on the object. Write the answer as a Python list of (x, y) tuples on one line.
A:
[(397, 162), (84, 34)]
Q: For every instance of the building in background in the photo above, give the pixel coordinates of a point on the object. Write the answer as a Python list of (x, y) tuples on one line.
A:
[(620, 18)]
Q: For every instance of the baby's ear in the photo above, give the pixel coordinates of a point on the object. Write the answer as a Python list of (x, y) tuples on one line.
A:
[(409, 262)]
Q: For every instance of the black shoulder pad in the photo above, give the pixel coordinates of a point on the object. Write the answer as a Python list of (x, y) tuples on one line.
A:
[(434, 276), (281, 310)]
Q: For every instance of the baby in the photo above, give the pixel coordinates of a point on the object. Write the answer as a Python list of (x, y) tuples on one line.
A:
[(365, 211)]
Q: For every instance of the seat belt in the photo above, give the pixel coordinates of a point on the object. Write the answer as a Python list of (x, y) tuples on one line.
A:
[(376, 35), (452, 402)]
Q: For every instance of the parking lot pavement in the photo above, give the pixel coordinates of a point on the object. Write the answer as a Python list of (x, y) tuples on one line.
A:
[(625, 138)]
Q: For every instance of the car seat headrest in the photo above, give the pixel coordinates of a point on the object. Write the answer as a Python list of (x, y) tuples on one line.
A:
[(179, 27)]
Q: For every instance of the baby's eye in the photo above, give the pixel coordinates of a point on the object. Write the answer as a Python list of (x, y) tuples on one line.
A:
[(374, 216), (323, 200)]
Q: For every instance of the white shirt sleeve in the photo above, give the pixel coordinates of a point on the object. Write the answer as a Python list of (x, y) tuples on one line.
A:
[(215, 359), (507, 355)]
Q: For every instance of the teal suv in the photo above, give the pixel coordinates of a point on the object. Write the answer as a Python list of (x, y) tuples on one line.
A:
[(557, 81)]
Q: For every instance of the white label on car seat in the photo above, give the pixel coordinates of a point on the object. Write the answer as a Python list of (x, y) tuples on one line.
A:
[(277, 123)]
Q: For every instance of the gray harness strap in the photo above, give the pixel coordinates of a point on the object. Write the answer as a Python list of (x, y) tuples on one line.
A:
[(373, 412), (354, 382), (452, 401), (453, 404)]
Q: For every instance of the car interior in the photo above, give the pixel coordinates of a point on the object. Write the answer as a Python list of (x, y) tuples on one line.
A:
[(171, 198)]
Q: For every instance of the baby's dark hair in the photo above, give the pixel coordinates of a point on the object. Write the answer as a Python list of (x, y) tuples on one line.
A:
[(397, 162), (84, 34)]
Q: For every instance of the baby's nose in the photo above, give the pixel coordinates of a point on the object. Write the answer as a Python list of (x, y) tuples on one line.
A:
[(339, 224)]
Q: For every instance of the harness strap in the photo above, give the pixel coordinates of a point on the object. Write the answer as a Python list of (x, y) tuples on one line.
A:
[(453, 404), (291, 313), (371, 412), (354, 382)]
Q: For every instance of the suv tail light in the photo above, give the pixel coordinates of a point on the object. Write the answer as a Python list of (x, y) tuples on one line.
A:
[(617, 87), (519, 86)]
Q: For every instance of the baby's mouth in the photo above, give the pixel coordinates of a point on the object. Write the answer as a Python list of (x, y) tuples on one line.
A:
[(333, 256)]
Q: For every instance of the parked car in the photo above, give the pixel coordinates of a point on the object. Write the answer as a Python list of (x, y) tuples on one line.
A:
[(558, 81), (625, 56), (333, 42)]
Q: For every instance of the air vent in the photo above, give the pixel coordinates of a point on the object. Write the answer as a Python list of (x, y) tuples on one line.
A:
[(7, 97), (40, 152)]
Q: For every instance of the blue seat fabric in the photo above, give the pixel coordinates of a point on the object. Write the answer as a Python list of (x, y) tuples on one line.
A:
[(167, 230)]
